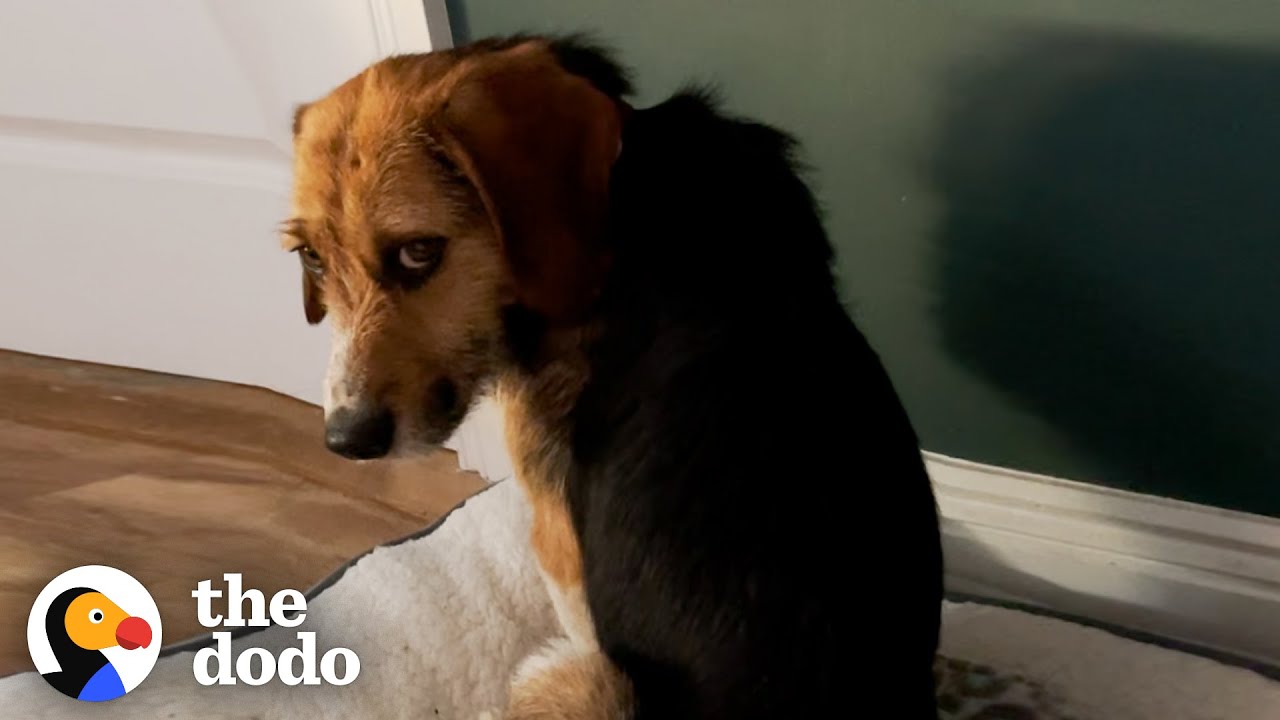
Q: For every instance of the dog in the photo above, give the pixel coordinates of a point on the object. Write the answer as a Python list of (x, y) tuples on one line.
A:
[(730, 507)]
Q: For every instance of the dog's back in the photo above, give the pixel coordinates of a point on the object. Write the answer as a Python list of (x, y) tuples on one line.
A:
[(759, 534)]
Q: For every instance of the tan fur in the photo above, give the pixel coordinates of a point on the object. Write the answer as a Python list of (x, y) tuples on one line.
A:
[(554, 540), (363, 183), (507, 157)]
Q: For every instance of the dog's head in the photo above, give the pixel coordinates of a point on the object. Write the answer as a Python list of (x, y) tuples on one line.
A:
[(431, 193)]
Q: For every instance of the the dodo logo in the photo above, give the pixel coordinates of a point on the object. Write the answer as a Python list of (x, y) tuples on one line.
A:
[(94, 633)]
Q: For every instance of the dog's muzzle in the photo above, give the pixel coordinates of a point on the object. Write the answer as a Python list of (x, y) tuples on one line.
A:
[(360, 432)]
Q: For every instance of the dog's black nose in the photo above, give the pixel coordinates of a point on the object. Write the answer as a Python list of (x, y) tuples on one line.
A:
[(360, 433)]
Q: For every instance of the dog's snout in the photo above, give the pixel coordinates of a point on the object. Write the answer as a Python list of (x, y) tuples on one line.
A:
[(361, 432)]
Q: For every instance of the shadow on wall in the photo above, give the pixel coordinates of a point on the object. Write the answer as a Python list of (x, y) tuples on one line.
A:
[(459, 21), (1109, 255)]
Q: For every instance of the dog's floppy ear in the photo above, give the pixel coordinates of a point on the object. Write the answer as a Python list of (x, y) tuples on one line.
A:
[(312, 300), (539, 144)]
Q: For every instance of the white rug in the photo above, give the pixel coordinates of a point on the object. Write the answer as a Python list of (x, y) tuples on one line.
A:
[(440, 620)]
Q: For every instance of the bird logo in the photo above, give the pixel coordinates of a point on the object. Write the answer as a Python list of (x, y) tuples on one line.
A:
[(94, 633)]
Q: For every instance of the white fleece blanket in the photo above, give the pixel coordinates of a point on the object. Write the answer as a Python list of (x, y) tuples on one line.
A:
[(440, 621)]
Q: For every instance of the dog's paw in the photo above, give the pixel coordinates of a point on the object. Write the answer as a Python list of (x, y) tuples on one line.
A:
[(489, 715), (556, 652), (563, 681)]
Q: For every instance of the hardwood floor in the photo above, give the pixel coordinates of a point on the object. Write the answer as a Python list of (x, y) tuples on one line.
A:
[(176, 480)]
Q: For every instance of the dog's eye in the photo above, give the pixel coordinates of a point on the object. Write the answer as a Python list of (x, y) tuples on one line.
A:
[(421, 256), (311, 260)]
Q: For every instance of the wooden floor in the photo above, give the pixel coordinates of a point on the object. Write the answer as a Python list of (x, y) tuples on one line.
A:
[(176, 480)]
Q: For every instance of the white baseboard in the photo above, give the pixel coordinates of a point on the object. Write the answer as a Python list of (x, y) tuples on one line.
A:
[(1187, 572), (1201, 575)]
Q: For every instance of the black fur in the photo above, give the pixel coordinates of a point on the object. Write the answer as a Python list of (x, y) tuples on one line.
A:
[(759, 534), (584, 56)]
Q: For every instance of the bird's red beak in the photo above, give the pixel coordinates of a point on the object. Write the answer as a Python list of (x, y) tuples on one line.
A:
[(133, 633)]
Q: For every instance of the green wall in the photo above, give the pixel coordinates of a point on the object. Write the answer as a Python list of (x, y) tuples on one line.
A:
[(1059, 222)]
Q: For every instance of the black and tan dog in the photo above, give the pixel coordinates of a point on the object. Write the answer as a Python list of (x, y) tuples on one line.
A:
[(730, 507)]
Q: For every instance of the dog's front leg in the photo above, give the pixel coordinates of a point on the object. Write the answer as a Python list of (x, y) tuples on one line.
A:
[(541, 465), (560, 561), (568, 678)]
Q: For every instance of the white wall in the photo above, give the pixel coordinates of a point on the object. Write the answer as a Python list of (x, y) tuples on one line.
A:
[(144, 167)]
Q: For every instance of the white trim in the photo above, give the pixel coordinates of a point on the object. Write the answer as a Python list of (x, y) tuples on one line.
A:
[(1193, 573), (410, 26), (1187, 572)]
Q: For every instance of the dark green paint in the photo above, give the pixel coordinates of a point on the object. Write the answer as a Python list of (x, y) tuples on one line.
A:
[(1059, 222)]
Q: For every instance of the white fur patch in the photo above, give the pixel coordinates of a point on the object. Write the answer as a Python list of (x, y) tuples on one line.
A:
[(570, 603), (338, 382)]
